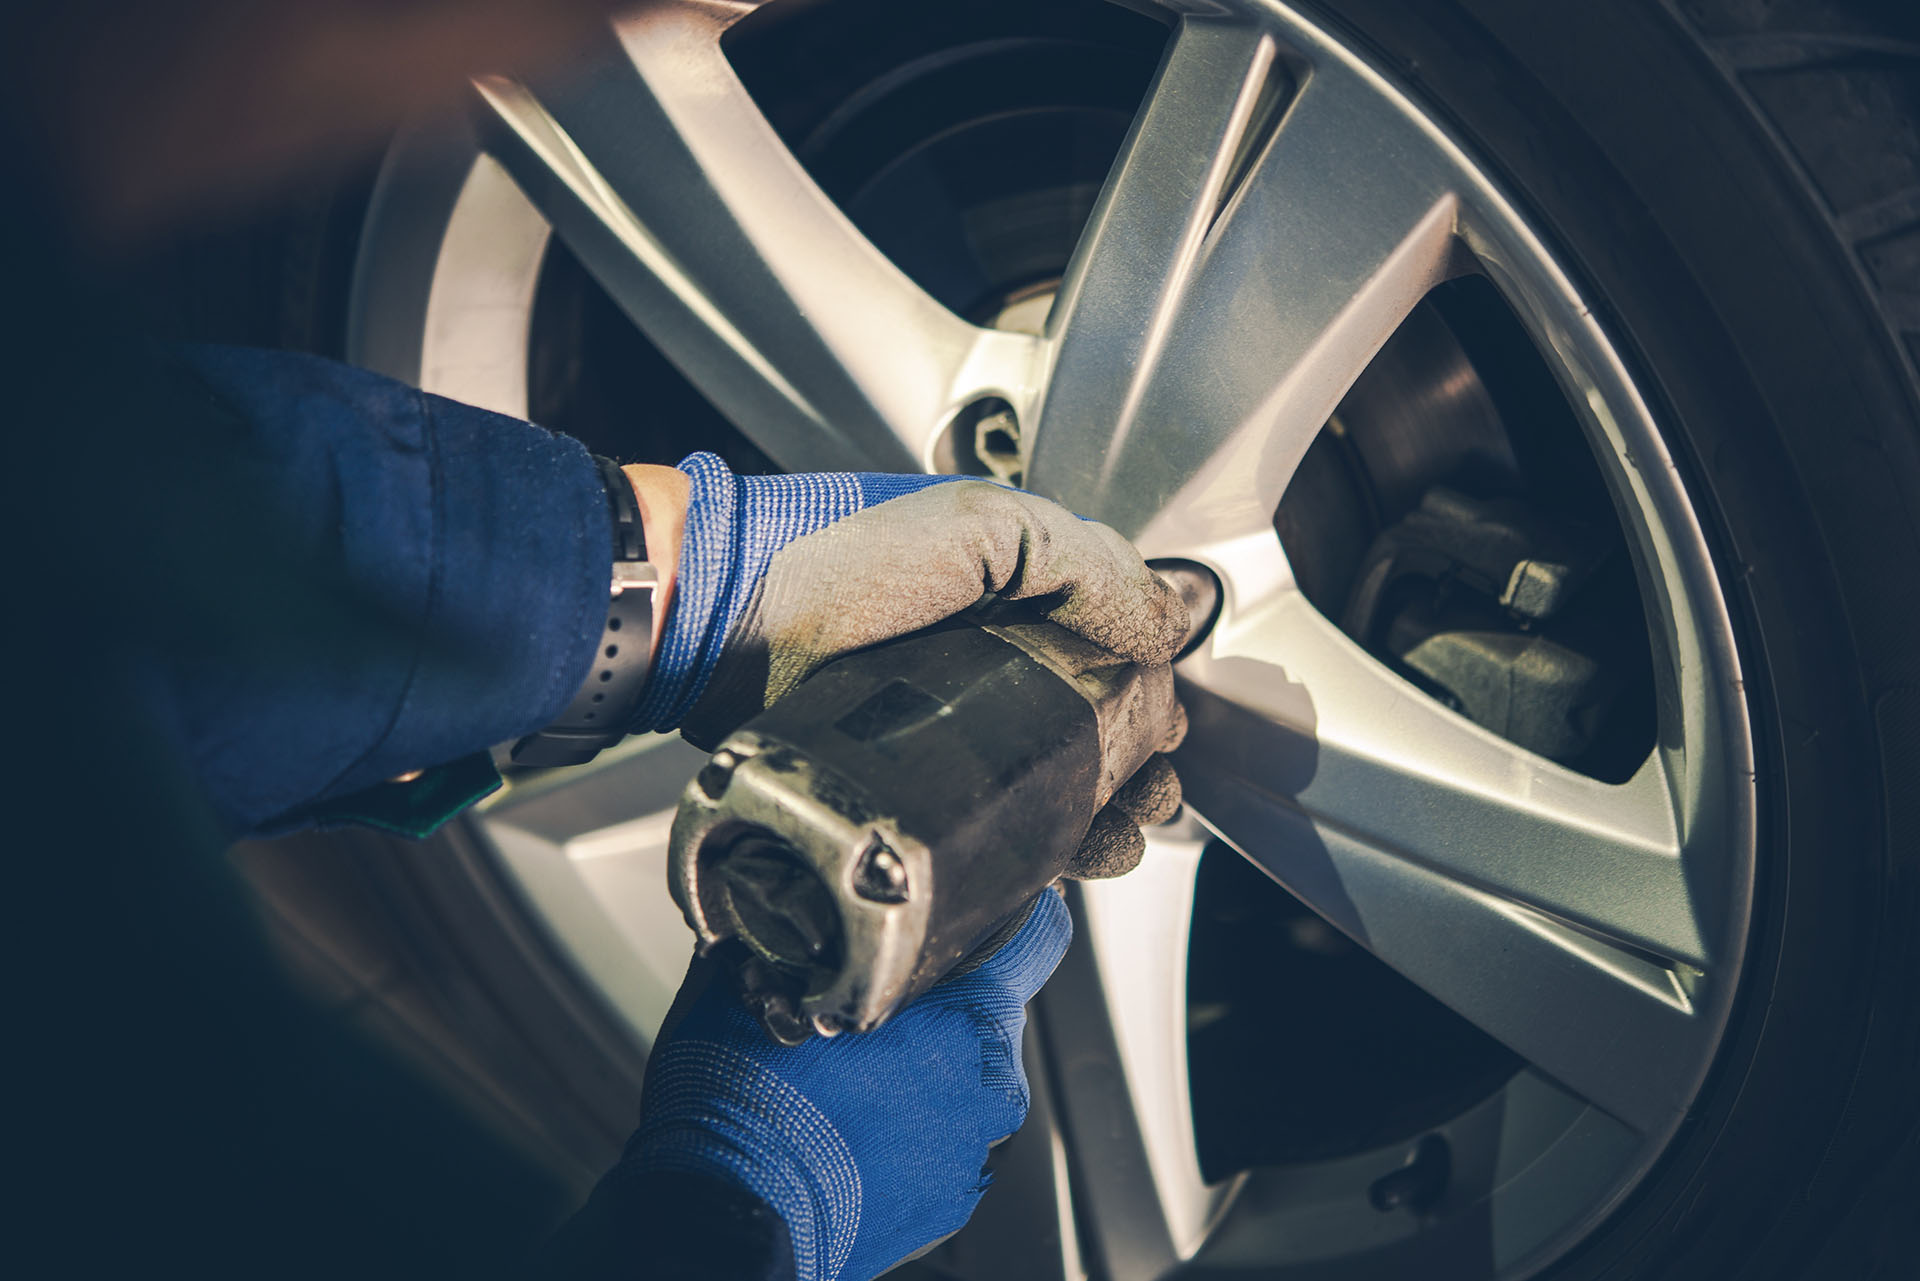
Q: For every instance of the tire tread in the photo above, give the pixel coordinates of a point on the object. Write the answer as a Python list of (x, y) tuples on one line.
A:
[(1837, 84)]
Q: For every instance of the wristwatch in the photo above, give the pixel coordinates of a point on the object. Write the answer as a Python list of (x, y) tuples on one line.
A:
[(599, 714)]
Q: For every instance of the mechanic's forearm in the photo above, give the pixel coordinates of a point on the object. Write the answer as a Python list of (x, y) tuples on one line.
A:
[(432, 580)]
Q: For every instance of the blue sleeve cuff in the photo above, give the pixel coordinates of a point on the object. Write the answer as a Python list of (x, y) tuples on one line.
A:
[(522, 563), (459, 562)]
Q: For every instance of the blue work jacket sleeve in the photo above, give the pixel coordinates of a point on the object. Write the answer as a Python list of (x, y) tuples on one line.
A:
[(428, 579)]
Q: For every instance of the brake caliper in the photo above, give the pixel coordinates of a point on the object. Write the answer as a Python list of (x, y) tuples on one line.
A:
[(1508, 618)]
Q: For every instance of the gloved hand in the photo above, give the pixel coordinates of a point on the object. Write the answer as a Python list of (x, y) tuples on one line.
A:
[(779, 574), (869, 1146)]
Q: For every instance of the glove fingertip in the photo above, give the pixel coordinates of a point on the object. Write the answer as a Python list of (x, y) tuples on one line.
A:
[(1162, 633), (1113, 846), (1172, 620), (1152, 795), (1176, 623)]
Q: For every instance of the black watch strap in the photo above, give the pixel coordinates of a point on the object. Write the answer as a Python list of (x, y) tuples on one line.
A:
[(599, 714)]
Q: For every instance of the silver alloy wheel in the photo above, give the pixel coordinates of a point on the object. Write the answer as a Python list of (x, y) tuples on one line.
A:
[(1278, 210)]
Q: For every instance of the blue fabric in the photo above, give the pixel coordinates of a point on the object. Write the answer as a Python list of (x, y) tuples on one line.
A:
[(868, 1146), (432, 579), (734, 526)]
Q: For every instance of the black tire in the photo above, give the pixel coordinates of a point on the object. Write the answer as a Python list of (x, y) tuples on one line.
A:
[(1738, 184)]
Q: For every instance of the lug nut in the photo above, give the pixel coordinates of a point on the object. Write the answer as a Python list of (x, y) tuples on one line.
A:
[(983, 439), (996, 442)]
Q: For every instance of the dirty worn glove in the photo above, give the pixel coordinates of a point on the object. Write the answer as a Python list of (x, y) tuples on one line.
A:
[(780, 574), (870, 1146), (1114, 844)]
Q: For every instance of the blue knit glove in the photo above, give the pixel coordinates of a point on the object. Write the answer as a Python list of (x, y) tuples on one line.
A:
[(779, 574), (869, 1145)]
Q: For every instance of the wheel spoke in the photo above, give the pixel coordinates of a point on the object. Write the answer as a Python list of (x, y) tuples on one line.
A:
[(1115, 1016), (656, 168), (1550, 909), (588, 846), (1246, 260)]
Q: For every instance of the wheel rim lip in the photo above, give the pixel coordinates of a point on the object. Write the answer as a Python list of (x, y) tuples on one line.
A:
[(433, 265)]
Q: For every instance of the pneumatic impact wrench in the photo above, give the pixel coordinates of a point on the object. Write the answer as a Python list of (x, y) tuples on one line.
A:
[(902, 809)]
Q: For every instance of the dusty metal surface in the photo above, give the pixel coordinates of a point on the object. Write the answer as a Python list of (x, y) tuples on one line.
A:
[(860, 837)]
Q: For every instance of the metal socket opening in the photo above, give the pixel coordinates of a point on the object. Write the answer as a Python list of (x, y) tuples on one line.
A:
[(777, 904)]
